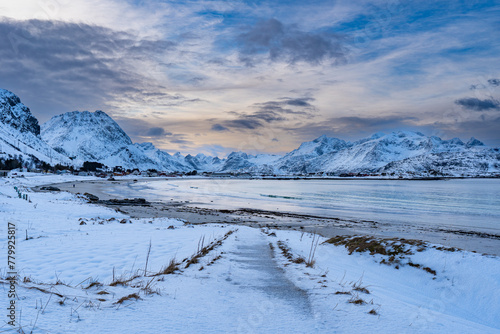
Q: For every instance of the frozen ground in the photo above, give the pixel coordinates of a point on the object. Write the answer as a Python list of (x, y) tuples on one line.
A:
[(80, 261)]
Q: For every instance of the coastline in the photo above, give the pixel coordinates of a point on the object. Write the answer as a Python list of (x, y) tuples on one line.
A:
[(328, 227), (76, 253)]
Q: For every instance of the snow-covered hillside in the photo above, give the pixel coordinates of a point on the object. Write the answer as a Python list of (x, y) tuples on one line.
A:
[(86, 136), (76, 137), (299, 160), (94, 136), (465, 163), (246, 163), (402, 151), (398, 152), (20, 133)]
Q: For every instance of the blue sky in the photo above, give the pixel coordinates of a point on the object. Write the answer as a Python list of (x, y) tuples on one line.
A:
[(258, 76)]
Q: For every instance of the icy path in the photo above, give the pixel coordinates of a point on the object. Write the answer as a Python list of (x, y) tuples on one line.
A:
[(253, 269), (244, 292)]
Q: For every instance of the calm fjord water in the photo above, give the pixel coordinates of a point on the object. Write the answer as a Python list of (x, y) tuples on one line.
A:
[(460, 203)]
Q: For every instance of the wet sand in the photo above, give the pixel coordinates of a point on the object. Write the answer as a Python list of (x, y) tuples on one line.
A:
[(325, 226)]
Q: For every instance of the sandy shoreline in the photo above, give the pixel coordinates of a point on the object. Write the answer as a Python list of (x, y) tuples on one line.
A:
[(325, 226)]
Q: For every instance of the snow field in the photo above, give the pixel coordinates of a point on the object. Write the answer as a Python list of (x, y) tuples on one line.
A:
[(77, 254), (464, 293)]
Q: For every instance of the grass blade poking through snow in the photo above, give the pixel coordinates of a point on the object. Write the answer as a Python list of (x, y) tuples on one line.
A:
[(147, 259), (314, 244)]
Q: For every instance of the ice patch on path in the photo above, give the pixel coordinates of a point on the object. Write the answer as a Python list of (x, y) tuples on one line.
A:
[(253, 267)]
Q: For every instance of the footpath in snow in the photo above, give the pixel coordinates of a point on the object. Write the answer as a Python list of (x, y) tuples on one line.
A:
[(84, 268)]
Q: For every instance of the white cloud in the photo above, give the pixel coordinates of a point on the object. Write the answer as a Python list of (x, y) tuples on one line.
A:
[(392, 71)]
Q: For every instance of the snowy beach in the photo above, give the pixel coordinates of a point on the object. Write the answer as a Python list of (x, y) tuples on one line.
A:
[(454, 213), (86, 268)]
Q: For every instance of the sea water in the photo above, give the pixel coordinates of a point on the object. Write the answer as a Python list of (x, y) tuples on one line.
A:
[(459, 203)]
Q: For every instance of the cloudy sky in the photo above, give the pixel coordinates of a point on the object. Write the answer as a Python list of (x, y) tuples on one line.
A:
[(258, 76)]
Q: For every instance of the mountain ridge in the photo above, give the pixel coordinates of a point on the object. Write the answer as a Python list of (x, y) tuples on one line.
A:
[(78, 136), (20, 134)]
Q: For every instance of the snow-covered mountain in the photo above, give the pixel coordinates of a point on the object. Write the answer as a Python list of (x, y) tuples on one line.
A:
[(402, 151), (299, 160), (162, 159), (75, 137), (20, 134), (202, 162), (247, 163), (94, 136), (87, 136), (473, 162)]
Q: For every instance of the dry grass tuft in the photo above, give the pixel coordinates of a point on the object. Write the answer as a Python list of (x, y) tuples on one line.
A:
[(310, 263), (289, 256), (204, 250), (170, 269), (218, 257), (358, 286), (447, 249), (129, 297), (148, 289), (91, 285), (356, 300), (123, 281), (430, 271), (193, 260), (389, 247), (361, 289), (314, 245), (397, 250), (285, 250)]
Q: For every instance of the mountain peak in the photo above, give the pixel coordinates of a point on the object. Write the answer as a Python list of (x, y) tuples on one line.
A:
[(456, 141), (320, 139), (92, 136), (377, 135), (408, 133), (147, 146), (16, 114), (95, 136), (474, 142)]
